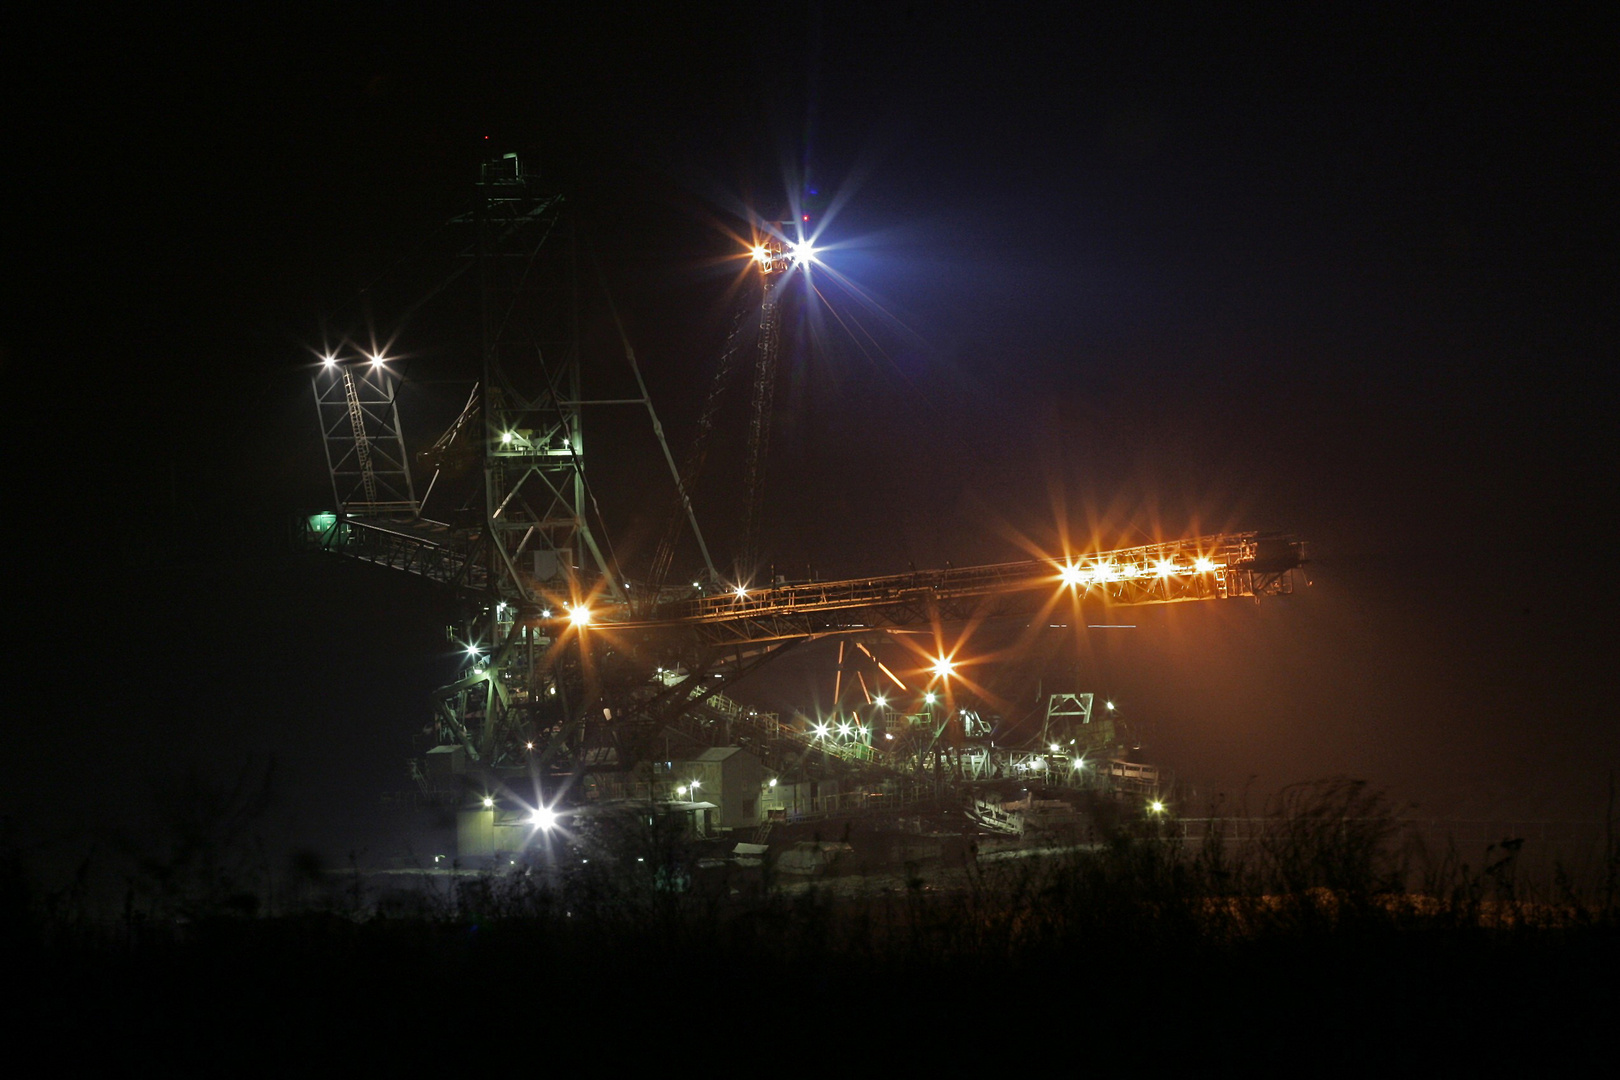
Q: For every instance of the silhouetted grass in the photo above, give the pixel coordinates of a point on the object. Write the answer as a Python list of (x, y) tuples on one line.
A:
[(1329, 920)]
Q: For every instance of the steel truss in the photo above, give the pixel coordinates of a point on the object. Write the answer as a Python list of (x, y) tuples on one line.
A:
[(365, 450), (496, 706), (764, 397), (534, 453), (1207, 568), (428, 549), (530, 557)]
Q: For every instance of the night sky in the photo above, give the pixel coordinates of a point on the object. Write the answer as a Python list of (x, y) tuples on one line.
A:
[(1347, 273)]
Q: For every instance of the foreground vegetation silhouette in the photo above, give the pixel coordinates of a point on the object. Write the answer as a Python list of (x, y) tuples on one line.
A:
[(1326, 929)]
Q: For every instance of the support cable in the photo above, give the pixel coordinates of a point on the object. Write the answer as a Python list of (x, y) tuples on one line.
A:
[(442, 445), (658, 428), (697, 454)]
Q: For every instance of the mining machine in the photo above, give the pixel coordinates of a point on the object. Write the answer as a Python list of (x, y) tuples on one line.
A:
[(569, 665)]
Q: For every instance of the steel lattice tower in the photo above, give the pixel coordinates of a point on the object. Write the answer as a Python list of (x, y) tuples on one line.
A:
[(538, 548), (534, 480)]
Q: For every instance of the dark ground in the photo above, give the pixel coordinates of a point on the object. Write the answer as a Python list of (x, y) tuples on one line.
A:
[(1100, 963)]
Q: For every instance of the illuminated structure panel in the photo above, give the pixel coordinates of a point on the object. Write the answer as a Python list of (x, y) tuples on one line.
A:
[(365, 450)]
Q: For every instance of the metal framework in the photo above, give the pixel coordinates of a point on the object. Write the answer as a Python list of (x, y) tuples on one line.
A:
[(774, 262), (559, 667), (1066, 716), (534, 551), (534, 452), (360, 432), (429, 549), (734, 632), (1207, 568), (737, 631), (776, 257)]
